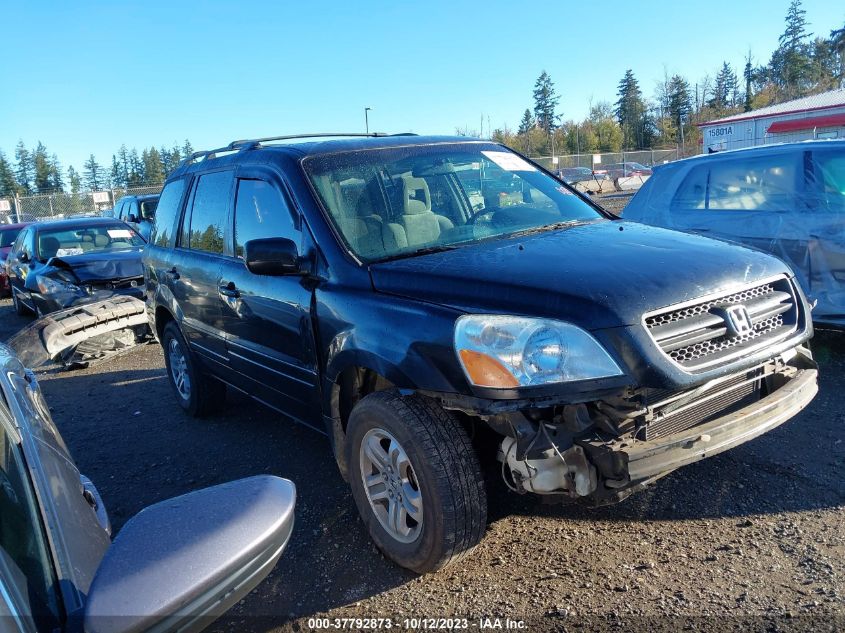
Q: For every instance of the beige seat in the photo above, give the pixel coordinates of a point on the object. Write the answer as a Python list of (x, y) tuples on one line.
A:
[(361, 225), (418, 224)]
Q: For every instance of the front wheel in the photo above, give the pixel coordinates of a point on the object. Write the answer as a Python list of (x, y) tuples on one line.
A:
[(196, 393), (415, 479)]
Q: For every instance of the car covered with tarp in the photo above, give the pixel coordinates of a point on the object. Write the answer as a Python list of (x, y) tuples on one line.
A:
[(785, 199)]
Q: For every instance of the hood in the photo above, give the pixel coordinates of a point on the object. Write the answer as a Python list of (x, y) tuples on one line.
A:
[(102, 265), (598, 275)]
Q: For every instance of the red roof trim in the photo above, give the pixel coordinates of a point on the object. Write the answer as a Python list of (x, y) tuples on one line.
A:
[(763, 116), (805, 124)]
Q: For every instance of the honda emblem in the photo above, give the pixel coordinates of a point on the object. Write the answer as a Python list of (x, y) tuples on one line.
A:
[(738, 320)]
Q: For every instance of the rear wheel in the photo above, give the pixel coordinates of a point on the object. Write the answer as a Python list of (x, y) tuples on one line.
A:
[(415, 479), (20, 308), (197, 393)]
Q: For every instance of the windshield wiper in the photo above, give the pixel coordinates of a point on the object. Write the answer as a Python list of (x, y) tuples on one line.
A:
[(552, 227), (423, 251)]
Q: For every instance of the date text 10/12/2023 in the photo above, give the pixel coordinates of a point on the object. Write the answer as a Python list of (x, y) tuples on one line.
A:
[(417, 624)]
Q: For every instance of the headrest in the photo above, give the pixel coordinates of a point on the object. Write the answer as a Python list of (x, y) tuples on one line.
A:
[(49, 245), (101, 240), (416, 197)]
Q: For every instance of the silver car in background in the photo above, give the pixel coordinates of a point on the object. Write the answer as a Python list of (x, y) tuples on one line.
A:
[(785, 199)]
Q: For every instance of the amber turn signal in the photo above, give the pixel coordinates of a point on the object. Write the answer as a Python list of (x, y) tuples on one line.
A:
[(485, 371)]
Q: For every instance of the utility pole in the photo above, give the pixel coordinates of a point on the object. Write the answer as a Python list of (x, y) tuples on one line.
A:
[(367, 119)]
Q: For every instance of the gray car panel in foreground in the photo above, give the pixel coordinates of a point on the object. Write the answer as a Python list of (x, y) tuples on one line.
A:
[(177, 565)]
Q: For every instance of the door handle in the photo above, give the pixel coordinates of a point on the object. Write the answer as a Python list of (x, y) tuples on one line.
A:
[(172, 273), (229, 290)]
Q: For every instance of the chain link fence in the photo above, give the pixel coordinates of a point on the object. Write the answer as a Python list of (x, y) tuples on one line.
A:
[(64, 205), (607, 173)]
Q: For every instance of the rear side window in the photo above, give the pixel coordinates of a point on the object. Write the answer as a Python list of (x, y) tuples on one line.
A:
[(167, 212), (829, 174), (203, 230), (767, 183), (261, 211)]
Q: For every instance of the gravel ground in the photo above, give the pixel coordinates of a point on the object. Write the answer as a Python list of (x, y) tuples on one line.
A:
[(753, 538)]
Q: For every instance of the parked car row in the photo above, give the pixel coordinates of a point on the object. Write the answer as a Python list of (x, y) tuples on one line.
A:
[(606, 178)]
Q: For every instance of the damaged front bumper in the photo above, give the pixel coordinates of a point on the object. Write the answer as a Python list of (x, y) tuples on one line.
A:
[(83, 333), (603, 451), (649, 459)]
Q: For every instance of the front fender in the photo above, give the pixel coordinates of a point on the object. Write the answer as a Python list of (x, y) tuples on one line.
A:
[(409, 343)]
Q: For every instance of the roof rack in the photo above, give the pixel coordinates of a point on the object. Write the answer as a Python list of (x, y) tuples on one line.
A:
[(248, 144)]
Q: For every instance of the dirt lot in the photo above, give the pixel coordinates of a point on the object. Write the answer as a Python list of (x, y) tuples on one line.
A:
[(754, 538)]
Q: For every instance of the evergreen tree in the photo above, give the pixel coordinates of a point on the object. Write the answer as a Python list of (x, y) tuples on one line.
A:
[(123, 161), (748, 75), (116, 174), (41, 168), (837, 43), (187, 149), (93, 174), (166, 161), (74, 180), (680, 99), (176, 156), (8, 184), (527, 122), (791, 65), (24, 172), (725, 88), (57, 181), (136, 169), (545, 102), (153, 167), (630, 110)]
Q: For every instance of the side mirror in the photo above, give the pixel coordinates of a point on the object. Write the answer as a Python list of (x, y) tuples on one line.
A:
[(23, 258), (181, 563), (272, 256)]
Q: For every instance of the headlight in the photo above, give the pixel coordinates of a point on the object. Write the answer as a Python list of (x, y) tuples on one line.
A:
[(509, 351), (47, 285)]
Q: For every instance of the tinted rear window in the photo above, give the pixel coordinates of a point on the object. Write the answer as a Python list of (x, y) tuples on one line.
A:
[(167, 212), (203, 230)]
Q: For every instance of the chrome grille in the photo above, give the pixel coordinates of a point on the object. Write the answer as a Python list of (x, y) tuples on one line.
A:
[(698, 335)]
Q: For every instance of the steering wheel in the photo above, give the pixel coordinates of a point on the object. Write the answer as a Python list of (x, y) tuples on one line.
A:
[(474, 217)]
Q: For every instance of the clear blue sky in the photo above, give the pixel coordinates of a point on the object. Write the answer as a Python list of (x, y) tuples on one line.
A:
[(88, 76)]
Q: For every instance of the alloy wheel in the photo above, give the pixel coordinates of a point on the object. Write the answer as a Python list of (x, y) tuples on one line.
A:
[(391, 485), (179, 369)]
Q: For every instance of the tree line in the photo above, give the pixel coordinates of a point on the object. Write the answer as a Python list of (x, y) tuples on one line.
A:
[(37, 171), (801, 65)]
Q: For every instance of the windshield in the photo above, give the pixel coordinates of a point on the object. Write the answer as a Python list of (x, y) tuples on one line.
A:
[(8, 237), (395, 202), (80, 240)]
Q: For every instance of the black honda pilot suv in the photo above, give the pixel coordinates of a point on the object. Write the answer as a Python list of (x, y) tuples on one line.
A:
[(411, 296)]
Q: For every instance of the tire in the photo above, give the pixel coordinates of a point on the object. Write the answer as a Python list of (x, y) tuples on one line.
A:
[(20, 308), (442, 472), (197, 393)]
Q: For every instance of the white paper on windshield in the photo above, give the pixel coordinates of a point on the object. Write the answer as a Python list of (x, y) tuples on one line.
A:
[(509, 162), (117, 234), (68, 252)]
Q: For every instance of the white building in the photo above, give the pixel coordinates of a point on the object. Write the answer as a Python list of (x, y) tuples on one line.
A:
[(815, 117)]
